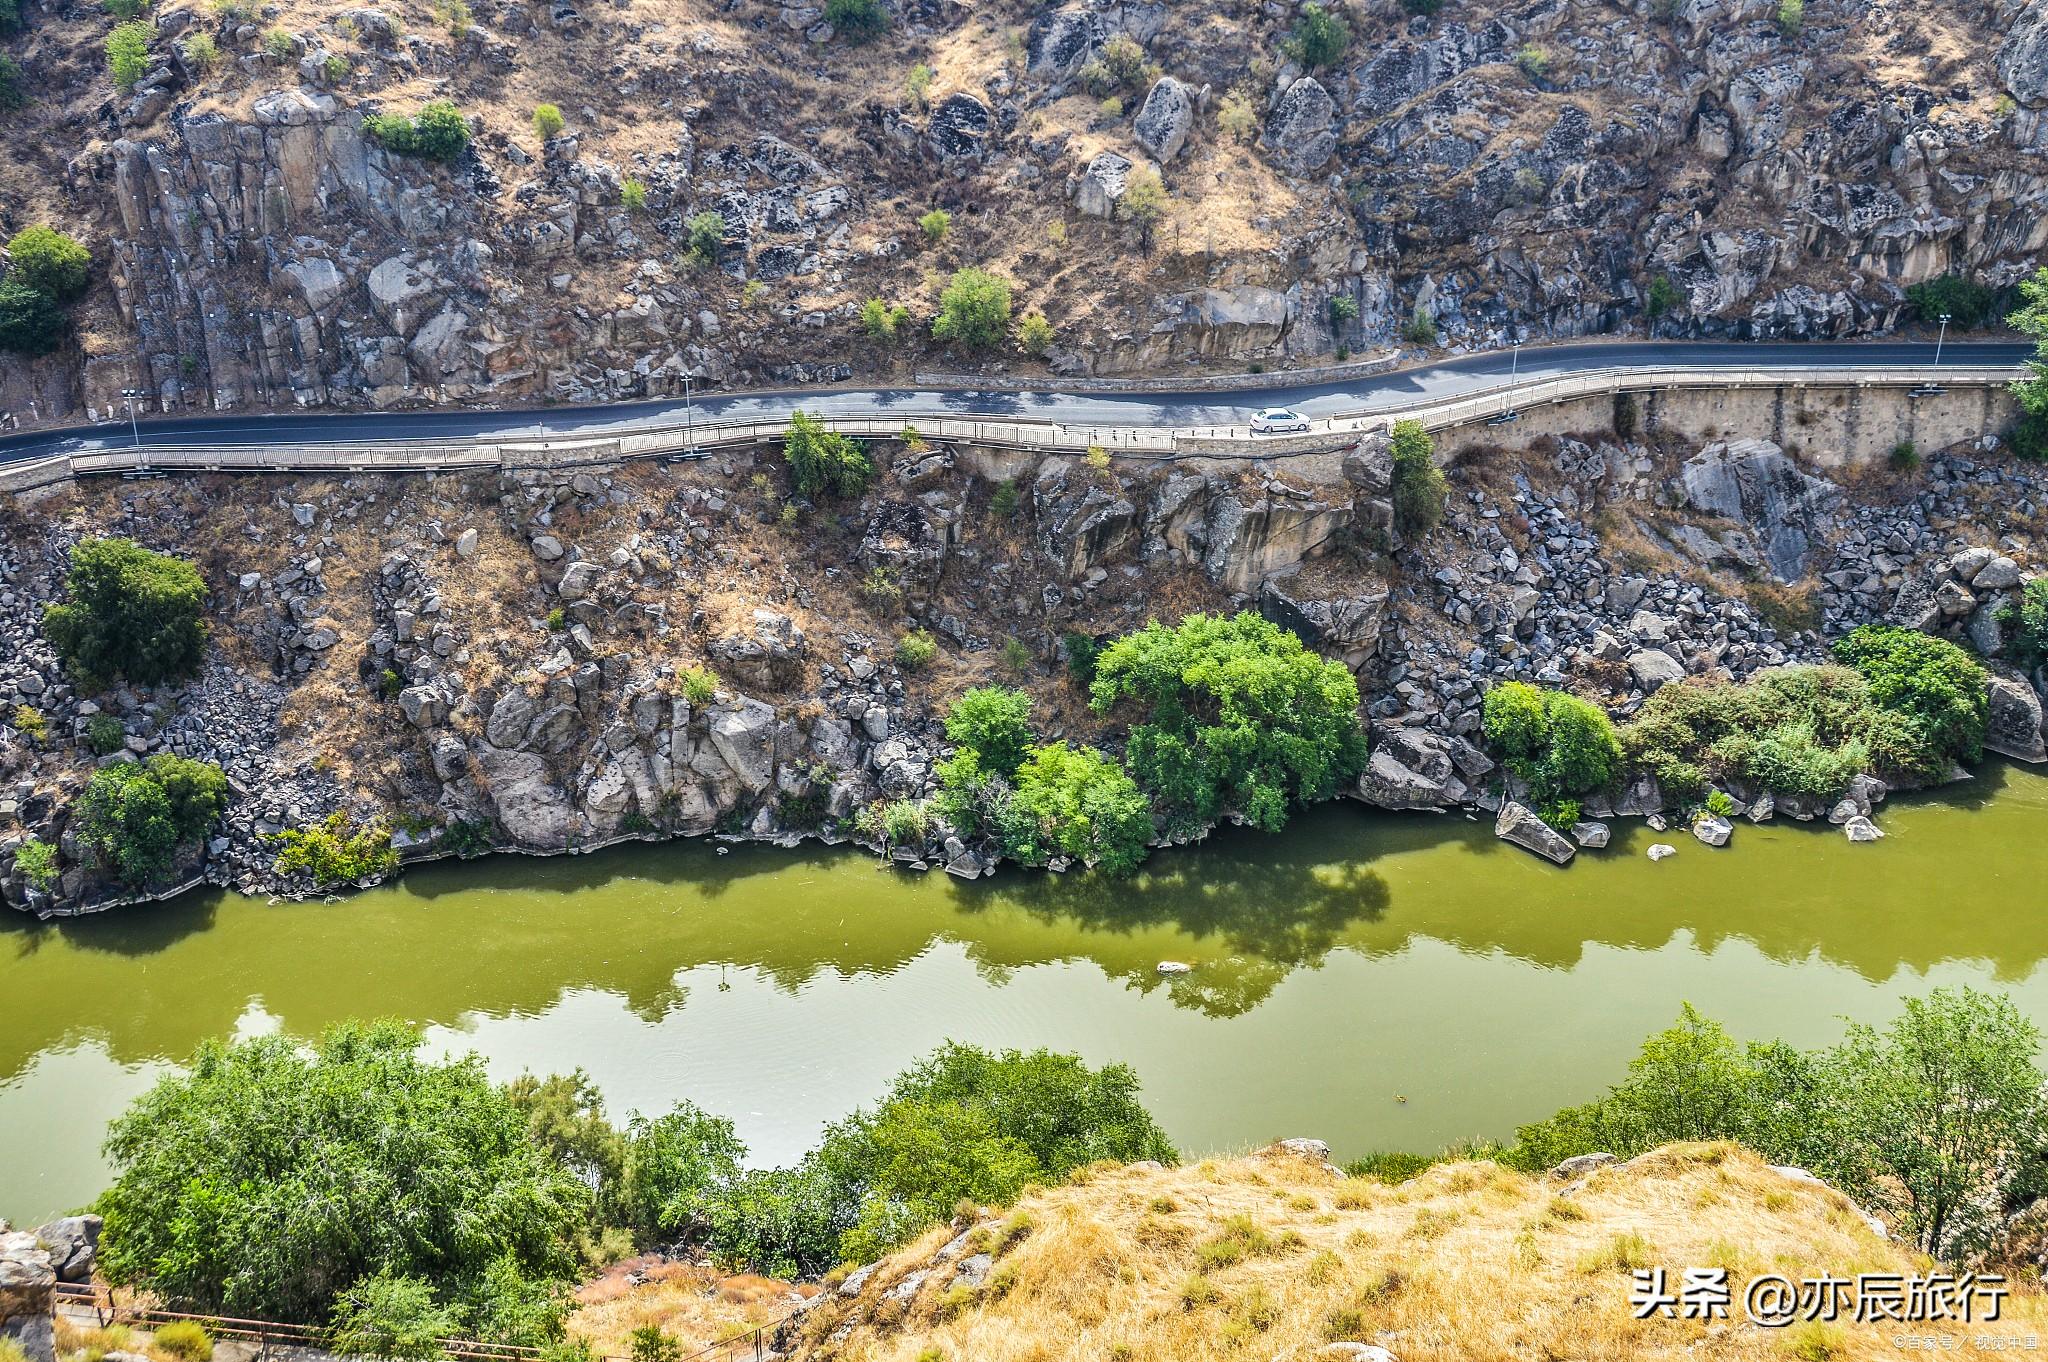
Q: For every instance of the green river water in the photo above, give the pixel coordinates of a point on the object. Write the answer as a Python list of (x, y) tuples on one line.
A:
[(1353, 960)]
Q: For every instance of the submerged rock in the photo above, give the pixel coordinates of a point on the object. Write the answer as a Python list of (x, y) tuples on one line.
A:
[(1519, 824), (1861, 829)]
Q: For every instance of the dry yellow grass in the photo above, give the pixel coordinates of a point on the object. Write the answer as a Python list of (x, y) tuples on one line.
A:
[(1275, 1257), (693, 1305)]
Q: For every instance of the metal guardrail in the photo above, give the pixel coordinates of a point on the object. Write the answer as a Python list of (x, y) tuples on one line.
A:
[(106, 1308), (1052, 437)]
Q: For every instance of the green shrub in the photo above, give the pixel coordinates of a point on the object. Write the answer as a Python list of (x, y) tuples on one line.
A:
[(882, 321), (104, 734), (335, 68), (881, 590), (1904, 457), (993, 722), (1004, 502), (859, 21), (1320, 38), (133, 613), (280, 44), (935, 225), (390, 1316), (2023, 621), (36, 861), (706, 236), (1935, 685), (128, 53), (1419, 486), (1662, 297), (201, 52), (30, 723), (974, 310), (13, 85), (135, 818), (1965, 302), (31, 322), (1236, 118), (1080, 652), (558, 620), (333, 852), (916, 650), (1016, 656), (1790, 17), (1034, 333), (1074, 801), (10, 17), (1558, 744), (1420, 328), (822, 460), (1720, 804), (438, 132), (700, 685), (1343, 309), (547, 121), (906, 822), (632, 195), (186, 1339), (1534, 61), (672, 1168), (917, 85), (1234, 714), (47, 259), (1389, 1167)]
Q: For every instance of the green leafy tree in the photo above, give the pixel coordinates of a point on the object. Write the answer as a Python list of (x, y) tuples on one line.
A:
[(1558, 744), (390, 1316), (1143, 203), (438, 132), (128, 53), (1419, 486), (1034, 333), (675, 1166), (1074, 801), (993, 722), (2025, 624), (822, 460), (2031, 319), (136, 817), (133, 614), (47, 259), (547, 121), (780, 1221), (1966, 303), (974, 310), (1320, 37), (31, 322), (565, 1117), (332, 851), (1234, 714), (1935, 685), (859, 21), (268, 1179)]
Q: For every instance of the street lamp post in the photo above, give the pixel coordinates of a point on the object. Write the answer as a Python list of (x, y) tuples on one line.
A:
[(1941, 336), (130, 395), (689, 416)]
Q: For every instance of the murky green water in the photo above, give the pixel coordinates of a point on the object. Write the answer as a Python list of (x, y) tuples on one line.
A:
[(1353, 960)]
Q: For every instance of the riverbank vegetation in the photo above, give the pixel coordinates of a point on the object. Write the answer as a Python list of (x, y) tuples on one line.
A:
[(1558, 745), (133, 615), (355, 1184)]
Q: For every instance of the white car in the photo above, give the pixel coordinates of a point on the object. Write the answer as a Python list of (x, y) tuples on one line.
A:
[(1278, 421)]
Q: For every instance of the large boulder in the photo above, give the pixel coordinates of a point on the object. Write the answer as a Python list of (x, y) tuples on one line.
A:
[(1301, 132), (28, 1289), (1165, 119), (534, 811), (1653, 668), (1520, 825), (961, 128), (73, 1243), (768, 651), (742, 738), (2023, 56), (1410, 769), (1757, 486), (1062, 41), (2013, 728), (1102, 185)]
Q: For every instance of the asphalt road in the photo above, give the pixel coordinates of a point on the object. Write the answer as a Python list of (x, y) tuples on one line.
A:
[(1192, 407)]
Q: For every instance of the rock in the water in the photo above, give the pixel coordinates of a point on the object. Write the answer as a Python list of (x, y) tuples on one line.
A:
[(1591, 834), (1712, 829), (1861, 829), (1659, 850), (1520, 825)]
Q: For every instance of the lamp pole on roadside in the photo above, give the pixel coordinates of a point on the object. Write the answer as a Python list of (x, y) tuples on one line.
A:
[(1940, 336), (131, 395), (689, 415)]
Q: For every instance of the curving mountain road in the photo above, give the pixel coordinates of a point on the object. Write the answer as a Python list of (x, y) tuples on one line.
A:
[(1191, 407)]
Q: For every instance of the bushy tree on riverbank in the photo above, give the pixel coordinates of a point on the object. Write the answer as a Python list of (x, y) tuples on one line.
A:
[(822, 460), (1935, 686), (1560, 746), (133, 614), (1234, 713), (134, 818)]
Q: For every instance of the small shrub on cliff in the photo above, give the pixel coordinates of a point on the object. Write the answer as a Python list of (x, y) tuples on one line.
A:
[(1420, 328), (10, 17), (882, 321), (700, 685), (974, 309), (31, 322), (438, 132), (633, 195), (128, 53), (30, 723), (1034, 333), (201, 52), (1320, 38), (1003, 503), (2025, 624), (906, 822), (547, 121), (993, 722), (47, 259), (822, 460), (858, 21), (332, 852), (135, 818), (13, 85), (280, 44), (1934, 684), (1558, 744), (133, 614), (707, 236), (36, 861), (1966, 303), (1236, 119), (935, 225), (916, 650), (1419, 486), (104, 734)]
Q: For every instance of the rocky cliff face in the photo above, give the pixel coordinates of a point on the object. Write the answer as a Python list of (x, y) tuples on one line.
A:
[(1523, 168)]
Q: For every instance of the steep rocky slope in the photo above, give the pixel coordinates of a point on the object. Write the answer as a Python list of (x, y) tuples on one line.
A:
[(1517, 168)]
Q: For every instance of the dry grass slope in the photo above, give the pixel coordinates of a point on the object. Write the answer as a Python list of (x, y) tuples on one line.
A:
[(1274, 1256)]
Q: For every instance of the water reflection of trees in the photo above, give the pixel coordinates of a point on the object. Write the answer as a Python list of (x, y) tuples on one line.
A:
[(1259, 900)]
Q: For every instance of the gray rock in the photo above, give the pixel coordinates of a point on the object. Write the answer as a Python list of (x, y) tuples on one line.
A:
[(1590, 834), (1755, 484), (1997, 575), (547, 548), (1102, 185), (961, 128), (1301, 132), (1580, 1165), (1653, 668), (1712, 829), (1521, 826), (1861, 829), (2014, 723), (1165, 119), (28, 1286), (73, 1243)]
